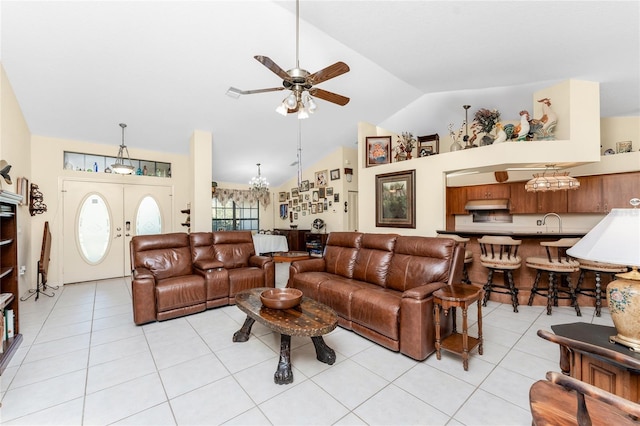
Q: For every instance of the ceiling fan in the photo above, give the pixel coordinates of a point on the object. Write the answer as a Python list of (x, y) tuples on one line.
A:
[(299, 81)]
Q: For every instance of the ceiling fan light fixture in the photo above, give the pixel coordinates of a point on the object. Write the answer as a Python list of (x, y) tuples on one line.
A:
[(282, 108), (311, 104), (303, 112), (291, 101)]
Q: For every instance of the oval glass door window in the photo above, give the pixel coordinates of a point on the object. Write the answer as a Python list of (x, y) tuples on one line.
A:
[(94, 228), (148, 218)]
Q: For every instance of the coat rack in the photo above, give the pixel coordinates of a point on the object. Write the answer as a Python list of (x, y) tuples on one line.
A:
[(36, 205)]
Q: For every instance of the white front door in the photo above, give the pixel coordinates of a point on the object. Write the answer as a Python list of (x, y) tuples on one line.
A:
[(99, 221)]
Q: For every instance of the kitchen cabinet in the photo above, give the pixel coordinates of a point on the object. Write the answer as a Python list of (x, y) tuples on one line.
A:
[(456, 199), (618, 189), (493, 191), (601, 193), (552, 201), (522, 201)]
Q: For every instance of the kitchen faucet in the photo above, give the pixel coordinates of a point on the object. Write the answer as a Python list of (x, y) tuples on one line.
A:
[(544, 218)]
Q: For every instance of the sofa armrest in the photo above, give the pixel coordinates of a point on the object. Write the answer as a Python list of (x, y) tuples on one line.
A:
[(423, 291), (308, 265), (207, 264), (143, 286), (141, 273), (259, 261)]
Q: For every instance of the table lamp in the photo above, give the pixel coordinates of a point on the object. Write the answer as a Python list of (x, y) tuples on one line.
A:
[(616, 240)]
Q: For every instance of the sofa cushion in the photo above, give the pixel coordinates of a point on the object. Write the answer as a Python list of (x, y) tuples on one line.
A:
[(419, 260), (244, 279), (378, 309), (340, 252), (337, 293), (165, 255), (373, 258), (201, 246), (178, 292), (233, 248), (308, 282)]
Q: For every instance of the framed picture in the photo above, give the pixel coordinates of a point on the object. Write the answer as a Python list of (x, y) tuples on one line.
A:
[(320, 207), (304, 206), (294, 192), (282, 196), (284, 211), (315, 196), (329, 191), (314, 208), (321, 179), (335, 174), (304, 186), (396, 199), (306, 197), (625, 146), (428, 145), (295, 216), (378, 150), (336, 198), (321, 192), (311, 185)]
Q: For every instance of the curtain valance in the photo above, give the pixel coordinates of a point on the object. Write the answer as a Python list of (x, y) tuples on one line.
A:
[(223, 195)]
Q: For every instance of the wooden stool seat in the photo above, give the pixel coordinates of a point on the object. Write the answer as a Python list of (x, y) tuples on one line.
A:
[(500, 254), (557, 265), (458, 296), (598, 268)]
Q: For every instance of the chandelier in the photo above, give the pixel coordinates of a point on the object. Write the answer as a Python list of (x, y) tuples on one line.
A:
[(119, 166), (258, 184), (551, 180)]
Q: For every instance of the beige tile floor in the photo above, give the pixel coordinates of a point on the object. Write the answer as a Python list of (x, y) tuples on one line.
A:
[(83, 361)]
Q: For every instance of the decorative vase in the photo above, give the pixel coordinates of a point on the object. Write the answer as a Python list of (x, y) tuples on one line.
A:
[(623, 299), (455, 146), (486, 140)]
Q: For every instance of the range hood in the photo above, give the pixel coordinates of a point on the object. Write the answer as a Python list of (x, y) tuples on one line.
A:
[(497, 204)]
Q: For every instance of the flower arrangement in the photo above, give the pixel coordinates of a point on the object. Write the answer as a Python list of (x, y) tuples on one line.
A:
[(456, 136), (486, 119), (406, 143)]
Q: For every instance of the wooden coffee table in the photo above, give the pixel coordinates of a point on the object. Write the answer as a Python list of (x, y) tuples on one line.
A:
[(310, 318)]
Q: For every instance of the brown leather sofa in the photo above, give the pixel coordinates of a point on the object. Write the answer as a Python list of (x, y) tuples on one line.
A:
[(180, 274), (381, 286)]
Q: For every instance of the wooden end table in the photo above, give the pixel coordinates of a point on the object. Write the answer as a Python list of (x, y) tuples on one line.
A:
[(458, 296), (290, 256), (309, 318)]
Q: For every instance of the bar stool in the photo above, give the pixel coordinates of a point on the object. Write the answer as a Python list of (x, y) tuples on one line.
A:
[(500, 254), (598, 268), (458, 296), (468, 254), (558, 266)]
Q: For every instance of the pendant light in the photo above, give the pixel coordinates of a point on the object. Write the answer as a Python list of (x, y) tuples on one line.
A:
[(551, 180), (259, 184), (120, 167)]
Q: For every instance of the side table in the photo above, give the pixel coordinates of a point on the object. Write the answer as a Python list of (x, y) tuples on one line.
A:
[(458, 296)]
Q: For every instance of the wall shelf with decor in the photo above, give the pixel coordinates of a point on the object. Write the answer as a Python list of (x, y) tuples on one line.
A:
[(89, 163)]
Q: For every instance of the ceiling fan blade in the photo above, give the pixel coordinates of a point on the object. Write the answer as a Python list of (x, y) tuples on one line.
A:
[(238, 92), (327, 73), (329, 96), (267, 62)]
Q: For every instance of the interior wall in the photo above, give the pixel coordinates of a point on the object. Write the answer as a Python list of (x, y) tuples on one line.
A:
[(47, 161), (335, 217), (15, 149)]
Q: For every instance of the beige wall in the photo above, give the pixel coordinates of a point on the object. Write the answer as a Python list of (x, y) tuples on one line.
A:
[(15, 148), (335, 218)]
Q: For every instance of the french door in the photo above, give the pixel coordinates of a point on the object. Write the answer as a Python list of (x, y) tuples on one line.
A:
[(99, 220)]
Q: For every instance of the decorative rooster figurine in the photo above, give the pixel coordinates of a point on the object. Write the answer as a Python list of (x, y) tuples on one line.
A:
[(520, 131), (543, 128), (502, 135)]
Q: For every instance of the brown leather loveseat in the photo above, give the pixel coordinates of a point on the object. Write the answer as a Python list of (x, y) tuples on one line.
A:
[(179, 274), (381, 285)]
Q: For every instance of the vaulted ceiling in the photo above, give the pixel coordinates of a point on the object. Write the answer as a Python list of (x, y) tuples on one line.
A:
[(80, 68)]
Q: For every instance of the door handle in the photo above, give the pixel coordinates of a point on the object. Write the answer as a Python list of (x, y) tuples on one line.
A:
[(127, 235), (118, 235)]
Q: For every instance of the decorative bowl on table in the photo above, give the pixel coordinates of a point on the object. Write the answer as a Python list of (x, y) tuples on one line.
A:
[(281, 298)]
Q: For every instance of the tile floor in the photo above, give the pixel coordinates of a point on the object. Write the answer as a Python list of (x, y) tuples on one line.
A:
[(83, 361)]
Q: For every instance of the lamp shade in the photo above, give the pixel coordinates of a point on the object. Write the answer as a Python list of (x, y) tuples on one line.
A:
[(616, 239)]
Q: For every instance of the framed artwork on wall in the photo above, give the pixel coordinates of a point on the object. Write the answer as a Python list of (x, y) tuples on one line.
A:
[(282, 196), (321, 179), (378, 150), (294, 192), (428, 145), (321, 192), (396, 199), (304, 186), (335, 174)]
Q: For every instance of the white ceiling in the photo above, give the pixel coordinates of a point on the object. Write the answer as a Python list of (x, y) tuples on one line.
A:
[(79, 68)]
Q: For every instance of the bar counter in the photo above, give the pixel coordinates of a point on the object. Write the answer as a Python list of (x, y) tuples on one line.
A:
[(525, 276)]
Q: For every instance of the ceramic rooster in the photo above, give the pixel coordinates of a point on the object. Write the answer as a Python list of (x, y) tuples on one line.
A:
[(520, 131), (502, 135), (543, 128)]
